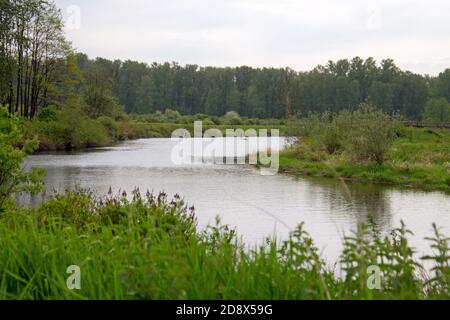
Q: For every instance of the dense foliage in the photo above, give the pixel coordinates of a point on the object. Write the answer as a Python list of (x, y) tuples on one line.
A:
[(438, 110), (12, 177), (267, 92)]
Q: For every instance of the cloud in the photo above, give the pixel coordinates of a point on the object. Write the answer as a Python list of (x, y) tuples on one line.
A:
[(298, 34)]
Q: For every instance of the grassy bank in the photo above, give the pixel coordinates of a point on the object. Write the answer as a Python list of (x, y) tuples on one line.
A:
[(418, 159), (82, 132), (150, 248), (367, 146)]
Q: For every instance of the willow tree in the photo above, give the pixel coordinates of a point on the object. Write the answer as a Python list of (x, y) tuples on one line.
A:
[(32, 44)]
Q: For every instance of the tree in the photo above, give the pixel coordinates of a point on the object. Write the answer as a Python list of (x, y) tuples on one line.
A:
[(145, 100), (437, 110), (12, 177), (32, 40), (99, 81), (381, 95), (440, 86), (410, 95), (263, 93)]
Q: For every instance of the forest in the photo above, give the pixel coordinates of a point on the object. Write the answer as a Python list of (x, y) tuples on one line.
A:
[(39, 70), (266, 92)]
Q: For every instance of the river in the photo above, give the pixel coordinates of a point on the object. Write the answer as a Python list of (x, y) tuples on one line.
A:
[(257, 205)]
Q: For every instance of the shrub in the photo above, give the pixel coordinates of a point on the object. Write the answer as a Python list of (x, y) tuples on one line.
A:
[(325, 130), (371, 135), (172, 116), (208, 122), (233, 118), (200, 116), (46, 115), (365, 134), (13, 178), (216, 120), (331, 138), (304, 127), (72, 129), (92, 134), (110, 125)]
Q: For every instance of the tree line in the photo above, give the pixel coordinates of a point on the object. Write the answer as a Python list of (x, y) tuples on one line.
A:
[(267, 92), (38, 69)]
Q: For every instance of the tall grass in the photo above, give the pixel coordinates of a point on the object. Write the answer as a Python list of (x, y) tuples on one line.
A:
[(150, 248)]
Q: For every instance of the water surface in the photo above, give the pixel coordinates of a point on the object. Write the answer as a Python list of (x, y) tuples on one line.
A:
[(256, 205)]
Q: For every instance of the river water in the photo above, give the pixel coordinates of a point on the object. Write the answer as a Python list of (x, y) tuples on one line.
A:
[(257, 205)]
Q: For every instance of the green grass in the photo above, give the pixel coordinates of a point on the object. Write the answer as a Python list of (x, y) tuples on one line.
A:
[(150, 248), (420, 158)]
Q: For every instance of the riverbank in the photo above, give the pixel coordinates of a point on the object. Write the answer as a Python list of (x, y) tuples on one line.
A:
[(419, 158), (82, 133), (150, 248)]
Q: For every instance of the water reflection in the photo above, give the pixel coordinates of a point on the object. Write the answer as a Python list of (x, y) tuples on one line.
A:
[(358, 200)]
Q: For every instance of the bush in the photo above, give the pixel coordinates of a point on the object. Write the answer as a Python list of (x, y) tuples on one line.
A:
[(365, 134), (156, 117), (46, 115), (13, 178), (172, 116), (208, 122), (332, 137), (306, 127), (92, 134), (110, 125), (371, 135), (325, 130), (200, 117), (232, 118), (71, 129), (216, 120)]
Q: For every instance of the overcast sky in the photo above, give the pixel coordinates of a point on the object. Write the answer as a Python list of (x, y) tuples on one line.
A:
[(263, 33)]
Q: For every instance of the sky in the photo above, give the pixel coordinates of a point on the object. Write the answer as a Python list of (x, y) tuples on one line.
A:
[(262, 33)]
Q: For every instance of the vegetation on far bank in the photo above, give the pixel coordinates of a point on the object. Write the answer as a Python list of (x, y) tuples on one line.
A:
[(73, 129), (369, 146)]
